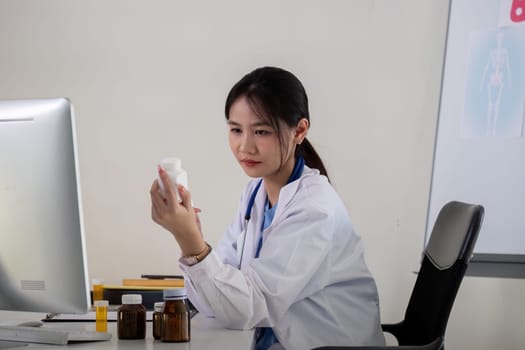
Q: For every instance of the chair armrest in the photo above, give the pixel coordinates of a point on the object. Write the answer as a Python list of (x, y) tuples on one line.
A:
[(396, 329), (392, 328)]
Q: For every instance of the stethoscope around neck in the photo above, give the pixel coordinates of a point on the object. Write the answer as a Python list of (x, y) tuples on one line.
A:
[(296, 174)]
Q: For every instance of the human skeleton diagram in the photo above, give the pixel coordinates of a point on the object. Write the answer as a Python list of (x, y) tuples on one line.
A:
[(496, 77)]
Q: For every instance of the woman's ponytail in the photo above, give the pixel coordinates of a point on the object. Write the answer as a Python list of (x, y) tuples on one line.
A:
[(311, 157)]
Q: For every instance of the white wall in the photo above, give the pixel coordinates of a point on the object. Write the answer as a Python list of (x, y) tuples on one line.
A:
[(149, 79)]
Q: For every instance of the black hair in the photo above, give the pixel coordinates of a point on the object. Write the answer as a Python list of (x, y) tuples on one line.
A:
[(276, 96)]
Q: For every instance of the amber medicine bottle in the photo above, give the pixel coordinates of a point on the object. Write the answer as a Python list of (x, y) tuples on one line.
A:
[(157, 319), (131, 318), (175, 316)]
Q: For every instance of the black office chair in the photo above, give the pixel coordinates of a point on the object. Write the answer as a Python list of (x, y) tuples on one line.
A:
[(445, 261)]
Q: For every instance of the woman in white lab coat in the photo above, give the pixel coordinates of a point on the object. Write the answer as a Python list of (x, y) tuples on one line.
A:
[(290, 264)]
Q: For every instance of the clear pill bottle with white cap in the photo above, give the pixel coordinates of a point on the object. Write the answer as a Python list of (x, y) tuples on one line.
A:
[(177, 175), (131, 317), (175, 316)]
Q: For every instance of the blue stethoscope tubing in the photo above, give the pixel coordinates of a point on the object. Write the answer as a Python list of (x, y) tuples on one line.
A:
[(296, 174)]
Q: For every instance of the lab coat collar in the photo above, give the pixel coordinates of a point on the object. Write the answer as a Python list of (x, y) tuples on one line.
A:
[(286, 195)]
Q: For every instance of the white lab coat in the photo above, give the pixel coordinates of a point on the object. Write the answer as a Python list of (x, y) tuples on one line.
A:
[(310, 282)]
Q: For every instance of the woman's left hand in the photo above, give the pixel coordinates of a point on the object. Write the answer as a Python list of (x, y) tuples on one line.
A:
[(179, 218)]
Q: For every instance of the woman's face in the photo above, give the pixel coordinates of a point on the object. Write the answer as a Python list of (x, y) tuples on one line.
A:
[(255, 144)]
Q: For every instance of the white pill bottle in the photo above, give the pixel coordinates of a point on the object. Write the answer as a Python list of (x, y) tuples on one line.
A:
[(177, 175)]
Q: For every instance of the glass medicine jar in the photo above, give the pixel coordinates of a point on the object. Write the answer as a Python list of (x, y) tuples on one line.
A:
[(131, 317), (175, 316), (157, 319)]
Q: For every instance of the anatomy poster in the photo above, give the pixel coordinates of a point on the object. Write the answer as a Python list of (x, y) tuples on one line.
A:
[(495, 83)]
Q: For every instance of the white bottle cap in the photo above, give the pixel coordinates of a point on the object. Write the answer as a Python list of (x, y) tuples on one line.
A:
[(175, 293), (97, 281), (171, 164), (131, 299), (157, 306)]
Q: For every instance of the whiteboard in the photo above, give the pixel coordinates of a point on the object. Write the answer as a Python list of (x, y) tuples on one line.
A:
[(480, 149)]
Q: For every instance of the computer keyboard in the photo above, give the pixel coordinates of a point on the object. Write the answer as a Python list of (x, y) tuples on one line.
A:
[(10, 344), (47, 335)]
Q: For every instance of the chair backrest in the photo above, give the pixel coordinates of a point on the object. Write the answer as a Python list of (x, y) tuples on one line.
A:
[(445, 261)]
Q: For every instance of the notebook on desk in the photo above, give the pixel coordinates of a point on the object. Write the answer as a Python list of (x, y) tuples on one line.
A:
[(91, 316), (44, 335)]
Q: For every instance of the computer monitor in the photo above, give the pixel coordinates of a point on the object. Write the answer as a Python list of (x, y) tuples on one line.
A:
[(43, 263)]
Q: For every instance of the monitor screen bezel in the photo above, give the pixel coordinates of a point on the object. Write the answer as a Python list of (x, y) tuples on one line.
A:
[(43, 256)]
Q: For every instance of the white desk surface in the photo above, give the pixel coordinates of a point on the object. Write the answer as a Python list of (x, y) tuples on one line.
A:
[(205, 334)]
